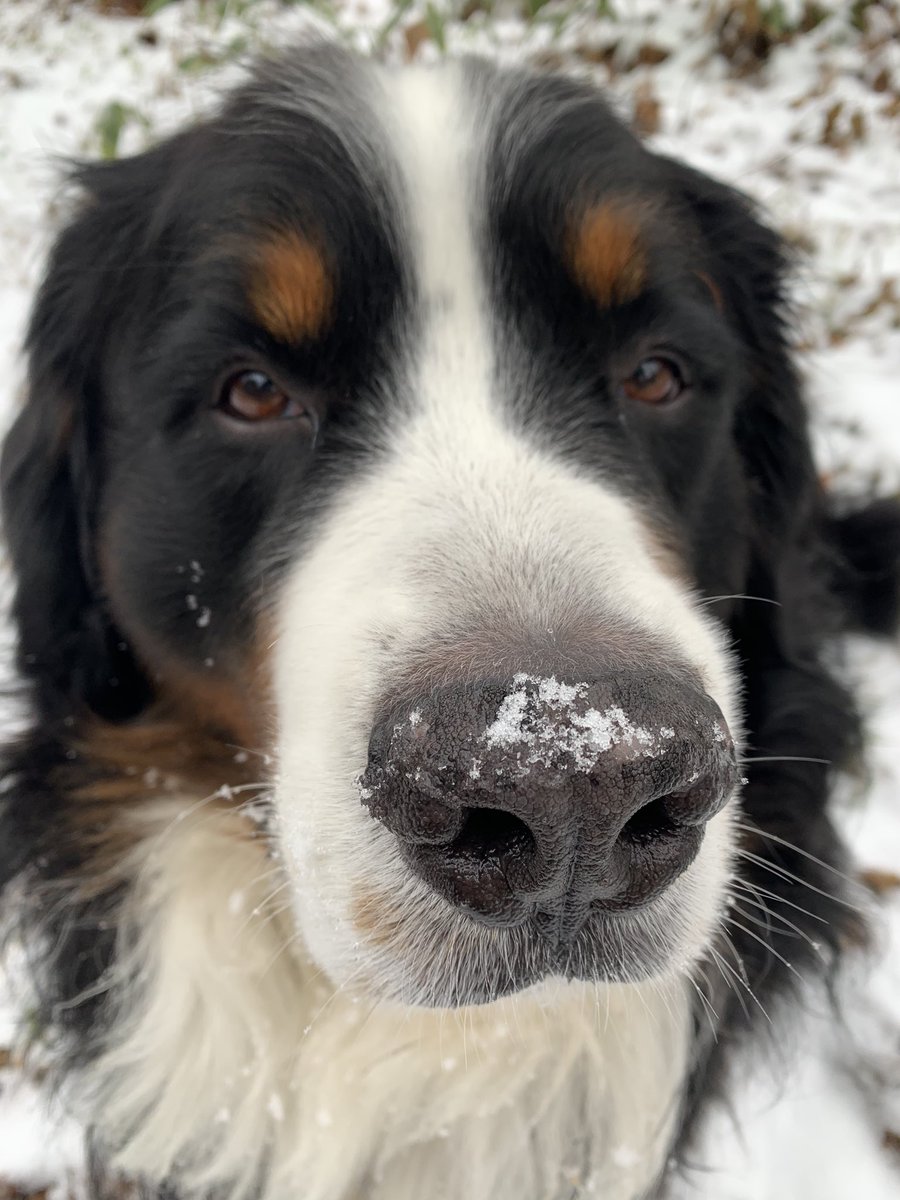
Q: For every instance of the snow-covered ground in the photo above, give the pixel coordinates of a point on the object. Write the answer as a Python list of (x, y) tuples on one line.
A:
[(805, 119)]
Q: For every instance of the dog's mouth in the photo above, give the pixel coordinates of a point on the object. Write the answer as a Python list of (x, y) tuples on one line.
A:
[(444, 959)]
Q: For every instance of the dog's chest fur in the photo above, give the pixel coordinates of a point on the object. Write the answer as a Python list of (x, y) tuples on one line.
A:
[(234, 1059)]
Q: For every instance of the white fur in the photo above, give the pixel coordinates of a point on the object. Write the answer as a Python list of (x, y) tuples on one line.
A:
[(231, 1045)]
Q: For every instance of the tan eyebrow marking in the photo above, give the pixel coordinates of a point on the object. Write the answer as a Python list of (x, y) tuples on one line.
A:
[(606, 254), (291, 286)]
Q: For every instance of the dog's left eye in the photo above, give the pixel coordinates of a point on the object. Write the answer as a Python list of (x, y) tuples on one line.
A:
[(655, 381), (253, 396)]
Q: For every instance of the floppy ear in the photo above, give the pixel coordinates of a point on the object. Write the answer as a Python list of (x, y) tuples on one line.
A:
[(50, 470), (748, 263), (800, 718), (846, 566)]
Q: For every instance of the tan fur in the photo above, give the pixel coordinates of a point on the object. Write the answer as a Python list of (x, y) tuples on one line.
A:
[(118, 770), (606, 253), (291, 287), (380, 917)]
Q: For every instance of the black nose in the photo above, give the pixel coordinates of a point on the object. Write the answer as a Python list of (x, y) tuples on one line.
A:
[(540, 798)]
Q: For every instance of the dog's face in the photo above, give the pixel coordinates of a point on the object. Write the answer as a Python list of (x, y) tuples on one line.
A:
[(406, 449)]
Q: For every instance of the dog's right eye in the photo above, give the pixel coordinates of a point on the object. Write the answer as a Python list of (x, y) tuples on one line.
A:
[(251, 396), (655, 381)]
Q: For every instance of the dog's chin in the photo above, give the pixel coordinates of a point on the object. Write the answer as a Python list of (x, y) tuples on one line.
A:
[(482, 965)]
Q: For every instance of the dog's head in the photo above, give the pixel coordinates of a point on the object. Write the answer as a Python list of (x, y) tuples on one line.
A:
[(404, 426)]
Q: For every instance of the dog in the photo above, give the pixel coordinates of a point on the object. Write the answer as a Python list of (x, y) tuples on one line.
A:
[(424, 594)]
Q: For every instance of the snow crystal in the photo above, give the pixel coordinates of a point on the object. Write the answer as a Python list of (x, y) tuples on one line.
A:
[(556, 720), (625, 1157), (204, 618)]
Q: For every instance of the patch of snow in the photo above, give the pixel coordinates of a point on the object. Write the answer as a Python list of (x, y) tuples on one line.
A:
[(552, 718)]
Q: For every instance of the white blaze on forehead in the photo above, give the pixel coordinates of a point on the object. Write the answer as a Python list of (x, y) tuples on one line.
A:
[(437, 144), (434, 137)]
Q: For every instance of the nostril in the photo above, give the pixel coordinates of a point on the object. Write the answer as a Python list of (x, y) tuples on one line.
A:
[(665, 815), (703, 798), (485, 867), (648, 823), (492, 833)]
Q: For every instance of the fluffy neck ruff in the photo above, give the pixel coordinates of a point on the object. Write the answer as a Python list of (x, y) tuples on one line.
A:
[(233, 1066)]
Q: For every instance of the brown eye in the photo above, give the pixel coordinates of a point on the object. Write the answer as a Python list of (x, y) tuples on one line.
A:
[(253, 396), (656, 381)]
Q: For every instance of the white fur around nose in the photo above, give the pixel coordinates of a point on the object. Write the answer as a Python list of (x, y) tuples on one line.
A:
[(467, 518)]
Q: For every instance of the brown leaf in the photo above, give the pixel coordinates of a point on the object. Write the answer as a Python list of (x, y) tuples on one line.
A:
[(597, 55), (651, 55), (122, 8), (647, 109), (414, 36), (882, 81), (830, 135)]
